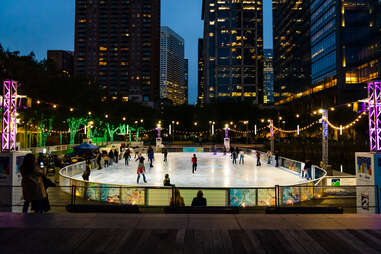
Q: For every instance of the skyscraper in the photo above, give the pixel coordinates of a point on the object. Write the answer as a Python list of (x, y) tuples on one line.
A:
[(186, 80), (292, 48), (268, 76), (172, 74), (117, 42), (233, 50), (345, 39), (201, 74)]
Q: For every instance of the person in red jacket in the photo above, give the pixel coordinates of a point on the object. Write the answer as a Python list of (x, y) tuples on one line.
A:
[(194, 163)]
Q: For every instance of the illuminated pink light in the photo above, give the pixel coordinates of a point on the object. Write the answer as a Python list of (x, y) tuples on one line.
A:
[(374, 92), (8, 136)]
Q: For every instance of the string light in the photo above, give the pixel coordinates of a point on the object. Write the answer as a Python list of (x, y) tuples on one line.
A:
[(338, 128)]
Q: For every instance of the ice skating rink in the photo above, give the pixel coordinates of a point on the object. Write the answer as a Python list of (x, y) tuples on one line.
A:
[(212, 171)]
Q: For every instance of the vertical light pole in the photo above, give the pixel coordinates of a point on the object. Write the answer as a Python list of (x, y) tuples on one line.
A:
[(247, 131), (272, 136), (324, 121)]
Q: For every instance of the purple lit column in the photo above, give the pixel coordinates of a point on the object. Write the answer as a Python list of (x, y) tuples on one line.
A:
[(8, 137), (374, 93), (158, 129)]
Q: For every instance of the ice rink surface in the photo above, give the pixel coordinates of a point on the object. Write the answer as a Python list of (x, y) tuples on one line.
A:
[(212, 171)]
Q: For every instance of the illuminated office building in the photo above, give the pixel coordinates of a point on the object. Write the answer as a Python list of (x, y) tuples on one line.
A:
[(268, 77), (292, 49), (117, 42), (233, 50), (201, 74), (186, 79), (172, 63), (345, 52)]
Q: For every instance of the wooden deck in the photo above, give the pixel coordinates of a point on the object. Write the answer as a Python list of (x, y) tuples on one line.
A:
[(177, 233)]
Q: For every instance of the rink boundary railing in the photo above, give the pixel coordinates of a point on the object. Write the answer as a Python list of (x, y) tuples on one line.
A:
[(83, 192), (347, 197)]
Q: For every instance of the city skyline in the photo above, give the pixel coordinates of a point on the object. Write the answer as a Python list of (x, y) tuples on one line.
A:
[(26, 30)]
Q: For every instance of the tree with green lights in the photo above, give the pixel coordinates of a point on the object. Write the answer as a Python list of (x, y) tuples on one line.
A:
[(46, 126), (74, 125)]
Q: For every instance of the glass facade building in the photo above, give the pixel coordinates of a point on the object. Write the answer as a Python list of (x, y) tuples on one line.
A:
[(233, 50), (172, 67), (292, 49), (201, 74), (345, 42), (268, 77), (117, 42)]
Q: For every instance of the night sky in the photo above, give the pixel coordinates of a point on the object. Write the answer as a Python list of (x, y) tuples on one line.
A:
[(39, 25)]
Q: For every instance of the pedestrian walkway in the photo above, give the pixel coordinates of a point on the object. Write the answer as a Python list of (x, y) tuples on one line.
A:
[(171, 233)]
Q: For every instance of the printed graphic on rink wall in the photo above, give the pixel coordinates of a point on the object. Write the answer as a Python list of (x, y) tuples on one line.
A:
[(193, 149), (243, 197)]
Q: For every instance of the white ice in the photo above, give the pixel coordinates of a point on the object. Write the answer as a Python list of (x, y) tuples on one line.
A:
[(212, 171)]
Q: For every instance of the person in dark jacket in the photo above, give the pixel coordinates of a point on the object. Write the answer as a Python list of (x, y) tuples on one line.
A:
[(116, 156), (127, 156), (258, 159), (276, 159), (111, 156), (199, 200), (150, 156), (167, 181), (33, 186), (165, 152), (99, 159), (307, 168)]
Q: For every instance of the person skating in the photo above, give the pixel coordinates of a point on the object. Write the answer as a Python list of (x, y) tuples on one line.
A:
[(241, 157), (276, 159), (127, 156), (99, 159), (307, 169), (165, 152), (194, 163), (150, 156), (234, 156), (116, 156), (111, 156), (258, 159), (269, 157), (141, 170)]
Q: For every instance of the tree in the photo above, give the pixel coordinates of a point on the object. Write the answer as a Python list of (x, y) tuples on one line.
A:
[(74, 125)]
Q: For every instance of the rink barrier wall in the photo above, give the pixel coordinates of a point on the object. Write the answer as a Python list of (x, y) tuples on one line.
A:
[(219, 197)]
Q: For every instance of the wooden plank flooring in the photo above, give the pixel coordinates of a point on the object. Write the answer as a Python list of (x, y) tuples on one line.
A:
[(29, 240), (189, 234)]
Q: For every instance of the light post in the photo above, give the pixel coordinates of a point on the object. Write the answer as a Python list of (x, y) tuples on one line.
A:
[(272, 136), (247, 131), (324, 121), (227, 139), (158, 139)]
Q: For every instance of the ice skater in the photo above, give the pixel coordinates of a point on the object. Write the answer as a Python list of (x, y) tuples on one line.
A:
[(165, 152), (258, 159), (141, 170), (241, 157), (127, 156), (150, 156), (194, 163), (234, 156)]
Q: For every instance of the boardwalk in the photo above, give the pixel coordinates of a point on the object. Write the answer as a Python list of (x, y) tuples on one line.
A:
[(161, 233)]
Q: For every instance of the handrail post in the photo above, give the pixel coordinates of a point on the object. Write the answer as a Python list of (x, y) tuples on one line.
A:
[(377, 200)]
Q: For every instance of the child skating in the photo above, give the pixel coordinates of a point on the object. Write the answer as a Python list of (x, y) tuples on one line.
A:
[(141, 169), (194, 163)]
